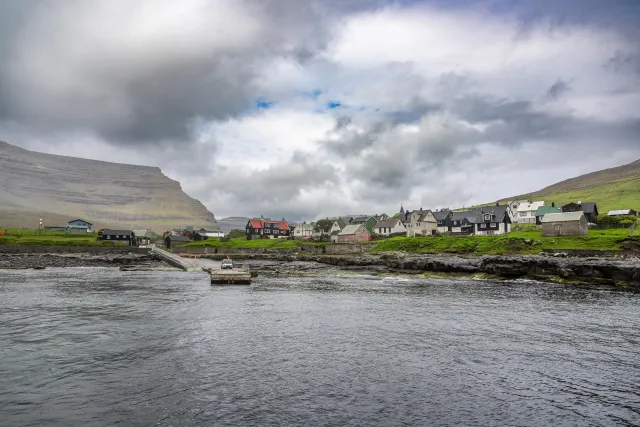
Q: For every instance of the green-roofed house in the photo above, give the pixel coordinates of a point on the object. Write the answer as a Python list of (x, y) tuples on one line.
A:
[(543, 210), (369, 222)]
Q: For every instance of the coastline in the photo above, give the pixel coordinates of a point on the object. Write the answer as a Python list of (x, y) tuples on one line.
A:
[(616, 272)]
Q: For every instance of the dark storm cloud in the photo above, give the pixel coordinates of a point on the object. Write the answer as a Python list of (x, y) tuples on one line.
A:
[(130, 99), (557, 89)]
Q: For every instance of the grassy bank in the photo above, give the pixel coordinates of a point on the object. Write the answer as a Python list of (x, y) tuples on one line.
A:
[(19, 236), (241, 242), (517, 242)]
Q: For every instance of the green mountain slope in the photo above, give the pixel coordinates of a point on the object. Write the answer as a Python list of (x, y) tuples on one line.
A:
[(615, 188)]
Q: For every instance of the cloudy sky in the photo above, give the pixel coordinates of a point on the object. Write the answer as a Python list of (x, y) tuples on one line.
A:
[(305, 109)]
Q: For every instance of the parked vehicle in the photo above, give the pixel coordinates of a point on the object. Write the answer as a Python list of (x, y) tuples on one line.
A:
[(227, 263)]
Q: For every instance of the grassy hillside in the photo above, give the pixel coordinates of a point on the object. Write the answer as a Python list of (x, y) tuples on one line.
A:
[(518, 242), (615, 188)]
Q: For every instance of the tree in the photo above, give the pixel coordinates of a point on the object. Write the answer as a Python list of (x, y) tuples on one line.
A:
[(235, 233), (323, 225)]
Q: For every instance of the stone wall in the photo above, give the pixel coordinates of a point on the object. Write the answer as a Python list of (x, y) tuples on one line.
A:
[(348, 249), (38, 249)]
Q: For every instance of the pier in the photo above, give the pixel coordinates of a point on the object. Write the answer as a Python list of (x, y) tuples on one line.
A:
[(229, 277)]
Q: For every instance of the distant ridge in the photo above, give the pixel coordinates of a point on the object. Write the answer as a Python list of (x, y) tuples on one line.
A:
[(613, 188), (59, 188)]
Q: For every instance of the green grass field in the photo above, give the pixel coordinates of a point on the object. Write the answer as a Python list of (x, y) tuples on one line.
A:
[(242, 242), (23, 236), (517, 242)]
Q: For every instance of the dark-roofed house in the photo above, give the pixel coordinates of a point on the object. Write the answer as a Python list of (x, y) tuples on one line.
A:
[(173, 240), (463, 222), (266, 229), (389, 226), (122, 236), (589, 208), (443, 218), (493, 220)]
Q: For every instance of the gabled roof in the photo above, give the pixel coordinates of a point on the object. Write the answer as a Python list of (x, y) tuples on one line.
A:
[(387, 223), (178, 238), (259, 223), (543, 210), (352, 229), (620, 212), (424, 215), (440, 215), (341, 223), (562, 217), (360, 219), (586, 207), (527, 207), (116, 232), (78, 219)]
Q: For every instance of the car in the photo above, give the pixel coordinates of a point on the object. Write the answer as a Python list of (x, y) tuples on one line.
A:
[(227, 263)]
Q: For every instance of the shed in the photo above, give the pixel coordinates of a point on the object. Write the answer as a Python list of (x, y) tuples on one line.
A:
[(122, 236), (173, 240), (590, 210), (565, 224)]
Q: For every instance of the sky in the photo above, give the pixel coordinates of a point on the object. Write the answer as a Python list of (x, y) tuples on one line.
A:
[(307, 109)]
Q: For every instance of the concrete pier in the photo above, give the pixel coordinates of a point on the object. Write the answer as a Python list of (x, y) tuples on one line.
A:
[(230, 277), (174, 260)]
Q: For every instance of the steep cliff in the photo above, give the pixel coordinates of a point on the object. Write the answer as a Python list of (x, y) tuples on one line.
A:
[(58, 188)]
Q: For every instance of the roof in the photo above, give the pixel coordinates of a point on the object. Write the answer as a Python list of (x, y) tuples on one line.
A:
[(139, 233), (440, 215), (78, 219), (360, 219), (586, 207), (341, 223), (259, 223), (621, 212), (471, 213), (335, 233), (116, 232), (387, 223), (351, 229), (424, 215), (562, 217), (543, 210), (178, 238), (255, 223), (529, 206)]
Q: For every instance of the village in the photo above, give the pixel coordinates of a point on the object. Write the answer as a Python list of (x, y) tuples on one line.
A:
[(571, 219)]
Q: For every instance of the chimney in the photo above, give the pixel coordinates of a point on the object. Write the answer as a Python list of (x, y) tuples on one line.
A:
[(261, 216), (497, 204)]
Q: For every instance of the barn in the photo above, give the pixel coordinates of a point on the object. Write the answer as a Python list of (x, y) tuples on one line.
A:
[(564, 224)]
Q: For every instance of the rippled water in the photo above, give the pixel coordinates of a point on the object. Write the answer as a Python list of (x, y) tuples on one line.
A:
[(100, 347)]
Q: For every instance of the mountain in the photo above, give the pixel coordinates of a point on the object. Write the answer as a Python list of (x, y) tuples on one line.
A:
[(232, 223), (59, 188), (615, 188)]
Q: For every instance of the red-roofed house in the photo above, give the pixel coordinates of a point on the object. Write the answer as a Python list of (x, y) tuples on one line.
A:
[(267, 229)]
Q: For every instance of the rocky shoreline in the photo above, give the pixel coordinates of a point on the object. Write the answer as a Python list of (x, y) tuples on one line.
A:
[(47, 260), (616, 272), (612, 272)]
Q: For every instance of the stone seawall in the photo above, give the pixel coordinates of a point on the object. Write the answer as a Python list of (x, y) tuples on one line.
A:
[(98, 250), (339, 249)]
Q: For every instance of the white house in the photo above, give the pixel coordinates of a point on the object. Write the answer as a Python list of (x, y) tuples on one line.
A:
[(389, 226), (302, 230), (527, 212), (421, 223), (512, 209)]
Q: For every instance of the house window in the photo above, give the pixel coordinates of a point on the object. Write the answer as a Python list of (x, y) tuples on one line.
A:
[(487, 217), (483, 225), (267, 231), (108, 237), (522, 214)]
